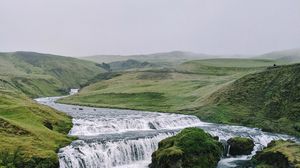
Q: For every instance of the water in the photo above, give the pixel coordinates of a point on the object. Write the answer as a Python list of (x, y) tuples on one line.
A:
[(113, 138)]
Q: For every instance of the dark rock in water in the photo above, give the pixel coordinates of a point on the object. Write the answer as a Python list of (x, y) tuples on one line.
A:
[(240, 146), (191, 148), (216, 138), (80, 108), (279, 154), (151, 126)]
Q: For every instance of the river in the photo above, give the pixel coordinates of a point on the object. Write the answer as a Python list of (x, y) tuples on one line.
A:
[(114, 138)]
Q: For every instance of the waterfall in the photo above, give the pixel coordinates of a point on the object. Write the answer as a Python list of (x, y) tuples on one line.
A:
[(81, 154), (107, 125), (113, 138)]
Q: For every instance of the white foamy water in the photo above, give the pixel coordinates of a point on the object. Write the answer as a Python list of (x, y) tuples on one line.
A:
[(113, 138), (110, 154)]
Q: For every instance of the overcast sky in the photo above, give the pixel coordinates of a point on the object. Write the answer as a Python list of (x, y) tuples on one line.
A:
[(89, 27)]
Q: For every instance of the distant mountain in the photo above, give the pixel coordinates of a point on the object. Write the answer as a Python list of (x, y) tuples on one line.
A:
[(37, 74), (289, 56), (174, 56)]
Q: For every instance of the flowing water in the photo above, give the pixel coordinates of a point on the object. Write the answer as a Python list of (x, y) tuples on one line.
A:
[(113, 138)]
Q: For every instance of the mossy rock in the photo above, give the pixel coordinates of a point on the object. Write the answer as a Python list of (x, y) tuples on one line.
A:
[(279, 154), (240, 146), (191, 148)]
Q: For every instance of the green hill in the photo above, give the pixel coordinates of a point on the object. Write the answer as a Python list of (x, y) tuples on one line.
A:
[(38, 74), (288, 56), (234, 91), (131, 65), (269, 99), (174, 57), (30, 133), (169, 90)]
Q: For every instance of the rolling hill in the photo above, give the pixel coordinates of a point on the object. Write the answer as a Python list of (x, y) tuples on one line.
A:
[(30, 133), (161, 58), (38, 74), (186, 85), (287, 56), (267, 100), (248, 92)]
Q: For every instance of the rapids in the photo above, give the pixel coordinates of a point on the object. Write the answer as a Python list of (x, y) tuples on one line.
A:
[(114, 138)]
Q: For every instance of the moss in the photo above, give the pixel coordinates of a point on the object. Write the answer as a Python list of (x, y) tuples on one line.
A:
[(240, 146), (191, 148), (281, 154)]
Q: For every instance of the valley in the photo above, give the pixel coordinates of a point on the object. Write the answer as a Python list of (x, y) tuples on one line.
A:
[(219, 90)]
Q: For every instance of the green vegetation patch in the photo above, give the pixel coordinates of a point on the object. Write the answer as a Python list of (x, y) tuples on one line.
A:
[(191, 148), (132, 100), (38, 74), (268, 100), (240, 146), (281, 154), (30, 134), (182, 87)]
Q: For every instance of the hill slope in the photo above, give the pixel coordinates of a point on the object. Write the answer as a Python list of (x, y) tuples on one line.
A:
[(288, 56), (233, 91), (268, 100), (170, 90), (174, 56), (42, 74), (131, 65), (30, 133)]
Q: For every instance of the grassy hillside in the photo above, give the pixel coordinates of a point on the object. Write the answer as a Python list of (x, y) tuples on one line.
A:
[(278, 154), (30, 133), (232, 91), (130, 65), (268, 100), (186, 86), (38, 74), (288, 56), (174, 57)]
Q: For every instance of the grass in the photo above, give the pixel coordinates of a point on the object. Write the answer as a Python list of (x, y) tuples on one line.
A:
[(279, 154), (30, 133), (268, 100), (186, 86), (36, 131), (38, 74), (230, 91)]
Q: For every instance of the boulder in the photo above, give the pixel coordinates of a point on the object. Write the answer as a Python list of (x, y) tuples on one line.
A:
[(279, 154), (191, 148), (240, 146)]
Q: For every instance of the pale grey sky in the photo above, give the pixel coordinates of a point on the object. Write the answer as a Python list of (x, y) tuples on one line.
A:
[(89, 27)]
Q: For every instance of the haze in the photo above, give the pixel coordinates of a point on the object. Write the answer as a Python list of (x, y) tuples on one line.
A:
[(80, 27)]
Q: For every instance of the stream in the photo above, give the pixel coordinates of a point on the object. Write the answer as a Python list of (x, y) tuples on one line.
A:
[(114, 138)]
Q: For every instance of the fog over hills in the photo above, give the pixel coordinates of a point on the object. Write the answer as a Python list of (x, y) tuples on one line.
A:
[(291, 55)]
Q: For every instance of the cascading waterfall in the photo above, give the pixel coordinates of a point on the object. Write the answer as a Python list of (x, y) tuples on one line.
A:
[(107, 125), (109, 154), (127, 138)]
